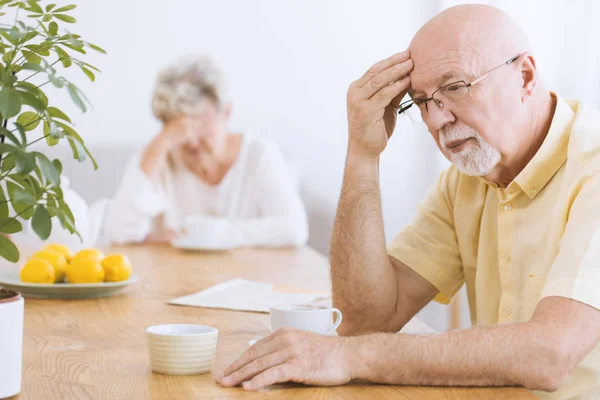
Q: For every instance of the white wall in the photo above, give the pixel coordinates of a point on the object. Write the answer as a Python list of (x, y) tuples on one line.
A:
[(289, 64)]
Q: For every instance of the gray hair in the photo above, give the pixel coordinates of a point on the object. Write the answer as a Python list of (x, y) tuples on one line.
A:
[(182, 87)]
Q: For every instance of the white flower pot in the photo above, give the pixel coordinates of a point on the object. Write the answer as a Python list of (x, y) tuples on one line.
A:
[(11, 342)]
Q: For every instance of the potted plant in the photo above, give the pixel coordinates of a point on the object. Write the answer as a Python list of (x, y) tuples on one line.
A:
[(11, 342), (36, 50)]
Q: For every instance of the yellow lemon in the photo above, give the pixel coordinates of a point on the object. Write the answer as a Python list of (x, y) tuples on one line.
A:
[(116, 268), (94, 254), (57, 260), (62, 249), (85, 270), (37, 271)]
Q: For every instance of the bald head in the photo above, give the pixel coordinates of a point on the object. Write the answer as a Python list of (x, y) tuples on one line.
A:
[(481, 34)]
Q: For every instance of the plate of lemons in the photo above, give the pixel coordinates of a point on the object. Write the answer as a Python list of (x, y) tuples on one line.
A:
[(55, 272)]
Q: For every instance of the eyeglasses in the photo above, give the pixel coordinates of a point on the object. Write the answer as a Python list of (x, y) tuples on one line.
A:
[(455, 93)]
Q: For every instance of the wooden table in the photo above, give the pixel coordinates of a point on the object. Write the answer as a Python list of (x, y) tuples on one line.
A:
[(96, 349)]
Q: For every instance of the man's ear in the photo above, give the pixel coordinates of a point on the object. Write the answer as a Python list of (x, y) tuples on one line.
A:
[(528, 71)]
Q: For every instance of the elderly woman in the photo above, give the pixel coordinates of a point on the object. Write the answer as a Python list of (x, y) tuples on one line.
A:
[(195, 167)]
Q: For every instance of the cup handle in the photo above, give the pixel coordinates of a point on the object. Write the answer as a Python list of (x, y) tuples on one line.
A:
[(337, 322)]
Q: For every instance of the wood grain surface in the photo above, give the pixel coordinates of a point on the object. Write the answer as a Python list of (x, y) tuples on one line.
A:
[(96, 349)]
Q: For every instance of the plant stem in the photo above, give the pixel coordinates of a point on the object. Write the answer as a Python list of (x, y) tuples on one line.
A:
[(6, 174), (37, 140), (18, 215), (43, 84), (2, 137), (37, 72)]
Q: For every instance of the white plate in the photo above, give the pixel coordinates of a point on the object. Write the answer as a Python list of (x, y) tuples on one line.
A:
[(11, 281), (186, 244)]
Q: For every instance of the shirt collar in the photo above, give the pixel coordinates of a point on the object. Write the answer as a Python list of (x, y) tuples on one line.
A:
[(551, 155)]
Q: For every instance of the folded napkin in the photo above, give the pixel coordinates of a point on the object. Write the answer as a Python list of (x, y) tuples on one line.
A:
[(244, 295)]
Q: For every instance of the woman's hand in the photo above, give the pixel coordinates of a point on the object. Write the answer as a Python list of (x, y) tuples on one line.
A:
[(175, 133)]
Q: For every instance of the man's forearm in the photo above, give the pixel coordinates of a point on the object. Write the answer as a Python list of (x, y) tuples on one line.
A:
[(363, 281), (507, 355)]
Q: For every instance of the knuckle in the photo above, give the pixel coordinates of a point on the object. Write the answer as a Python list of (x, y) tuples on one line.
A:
[(258, 365), (376, 82), (251, 353)]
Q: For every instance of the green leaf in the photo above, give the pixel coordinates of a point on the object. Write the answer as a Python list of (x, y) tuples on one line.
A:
[(66, 18), (53, 28), (49, 7), (18, 195), (38, 173), (8, 250), (33, 67), (56, 81), (31, 57), (8, 163), (47, 18), (10, 102), (56, 113), (65, 216), (28, 36), (24, 181), (8, 148), (15, 34), (55, 132), (31, 100), (21, 131), (49, 139), (8, 56), (65, 59), (78, 145), (10, 225), (97, 48), (41, 223), (78, 152), (74, 96), (35, 7), (10, 136), (8, 37), (90, 66), (34, 91), (65, 8), (29, 120), (58, 166), (25, 163), (88, 73), (3, 202), (49, 170), (51, 204)]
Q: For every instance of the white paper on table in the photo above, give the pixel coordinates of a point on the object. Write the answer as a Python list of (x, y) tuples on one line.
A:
[(244, 295)]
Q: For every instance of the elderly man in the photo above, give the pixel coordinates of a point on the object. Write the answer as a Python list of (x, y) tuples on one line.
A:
[(516, 219)]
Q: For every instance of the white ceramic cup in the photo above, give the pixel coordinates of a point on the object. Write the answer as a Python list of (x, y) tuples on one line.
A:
[(205, 230), (11, 343), (315, 319), (181, 349)]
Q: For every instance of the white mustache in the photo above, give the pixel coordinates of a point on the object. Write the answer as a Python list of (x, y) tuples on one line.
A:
[(457, 132)]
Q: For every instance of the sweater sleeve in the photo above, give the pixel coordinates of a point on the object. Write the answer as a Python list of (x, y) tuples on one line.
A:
[(135, 205), (282, 220)]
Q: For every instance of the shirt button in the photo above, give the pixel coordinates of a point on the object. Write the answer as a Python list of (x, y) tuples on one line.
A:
[(508, 310), (508, 207), (507, 258), (533, 190)]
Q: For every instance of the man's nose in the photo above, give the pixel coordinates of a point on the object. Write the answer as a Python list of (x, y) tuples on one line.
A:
[(437, 117)]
